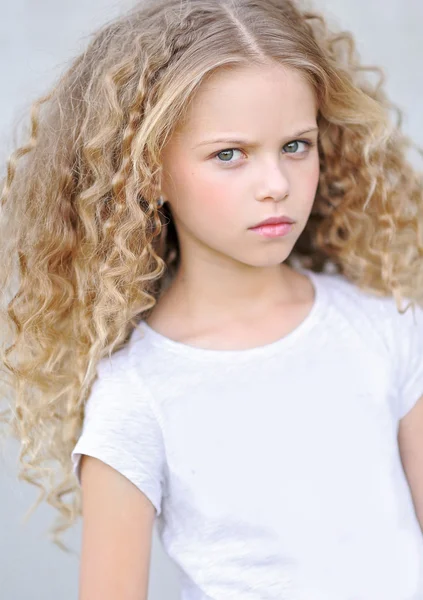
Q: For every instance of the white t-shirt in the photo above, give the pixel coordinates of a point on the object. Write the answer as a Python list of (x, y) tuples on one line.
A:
[(275, 471)]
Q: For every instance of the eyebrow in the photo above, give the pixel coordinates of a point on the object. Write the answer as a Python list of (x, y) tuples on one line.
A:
[(247, 143)]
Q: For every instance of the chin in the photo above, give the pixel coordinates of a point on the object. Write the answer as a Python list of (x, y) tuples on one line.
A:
[(271, 259)]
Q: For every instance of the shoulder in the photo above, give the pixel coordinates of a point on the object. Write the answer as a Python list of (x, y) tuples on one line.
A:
[(119, 386), (349, 296), (373, 316), (120, 403), (126, 361)]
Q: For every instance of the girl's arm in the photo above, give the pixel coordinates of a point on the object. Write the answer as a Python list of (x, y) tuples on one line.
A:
[(410, 438), (116, 537)]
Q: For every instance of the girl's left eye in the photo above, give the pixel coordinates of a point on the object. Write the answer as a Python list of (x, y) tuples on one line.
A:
[(293, 144)]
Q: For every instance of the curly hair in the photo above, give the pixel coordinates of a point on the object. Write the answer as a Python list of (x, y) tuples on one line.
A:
[(84, 248)]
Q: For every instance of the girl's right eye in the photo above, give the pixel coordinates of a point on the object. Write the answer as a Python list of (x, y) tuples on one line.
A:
[(226, 152)]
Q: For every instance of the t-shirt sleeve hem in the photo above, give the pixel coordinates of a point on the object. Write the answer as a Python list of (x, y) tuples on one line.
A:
[(410, 398), (127, 466)]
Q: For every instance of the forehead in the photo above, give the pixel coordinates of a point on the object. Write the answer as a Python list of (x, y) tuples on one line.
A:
[(251, 100)]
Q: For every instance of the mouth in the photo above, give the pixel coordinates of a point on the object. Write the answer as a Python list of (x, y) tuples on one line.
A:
[(274, 227), (274, 221)]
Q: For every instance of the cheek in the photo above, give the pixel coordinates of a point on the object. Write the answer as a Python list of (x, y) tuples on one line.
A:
[(310, 181), (213, 200), (202, 202)]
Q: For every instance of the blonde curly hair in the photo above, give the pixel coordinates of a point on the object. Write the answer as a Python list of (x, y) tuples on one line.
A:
[(84, 247)]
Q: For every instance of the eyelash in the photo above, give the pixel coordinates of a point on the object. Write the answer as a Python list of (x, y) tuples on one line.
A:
[(308, 143)]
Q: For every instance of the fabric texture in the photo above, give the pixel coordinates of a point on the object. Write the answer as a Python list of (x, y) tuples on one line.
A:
[(275, 471)]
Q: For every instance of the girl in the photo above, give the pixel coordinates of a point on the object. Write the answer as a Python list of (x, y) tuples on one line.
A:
[(217, 320)]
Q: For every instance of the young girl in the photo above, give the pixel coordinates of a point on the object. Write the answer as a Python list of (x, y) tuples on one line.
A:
[(217, 317)]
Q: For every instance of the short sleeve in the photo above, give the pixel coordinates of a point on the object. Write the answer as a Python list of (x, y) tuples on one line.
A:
[(409, 357), (121, 428)]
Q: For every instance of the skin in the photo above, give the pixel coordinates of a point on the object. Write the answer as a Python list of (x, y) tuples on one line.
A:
[(230, 275), (410, 439)]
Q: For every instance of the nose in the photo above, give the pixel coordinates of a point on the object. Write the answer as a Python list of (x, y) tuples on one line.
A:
[(275, 184)]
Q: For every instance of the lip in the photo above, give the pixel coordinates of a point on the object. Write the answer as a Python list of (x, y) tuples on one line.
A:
[(274, 221)]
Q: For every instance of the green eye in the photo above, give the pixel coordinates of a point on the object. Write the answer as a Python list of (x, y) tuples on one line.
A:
[(291, 144), (295, 143), (229, 150)]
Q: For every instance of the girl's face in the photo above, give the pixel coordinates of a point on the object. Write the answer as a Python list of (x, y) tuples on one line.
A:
[(266, 165)]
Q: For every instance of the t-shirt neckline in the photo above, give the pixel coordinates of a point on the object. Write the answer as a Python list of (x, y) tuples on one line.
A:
[(181, 348)]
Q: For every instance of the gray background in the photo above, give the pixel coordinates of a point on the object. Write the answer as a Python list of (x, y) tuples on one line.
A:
[(35, 39)]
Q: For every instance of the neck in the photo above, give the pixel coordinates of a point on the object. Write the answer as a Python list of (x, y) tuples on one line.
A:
[(226, 289)]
